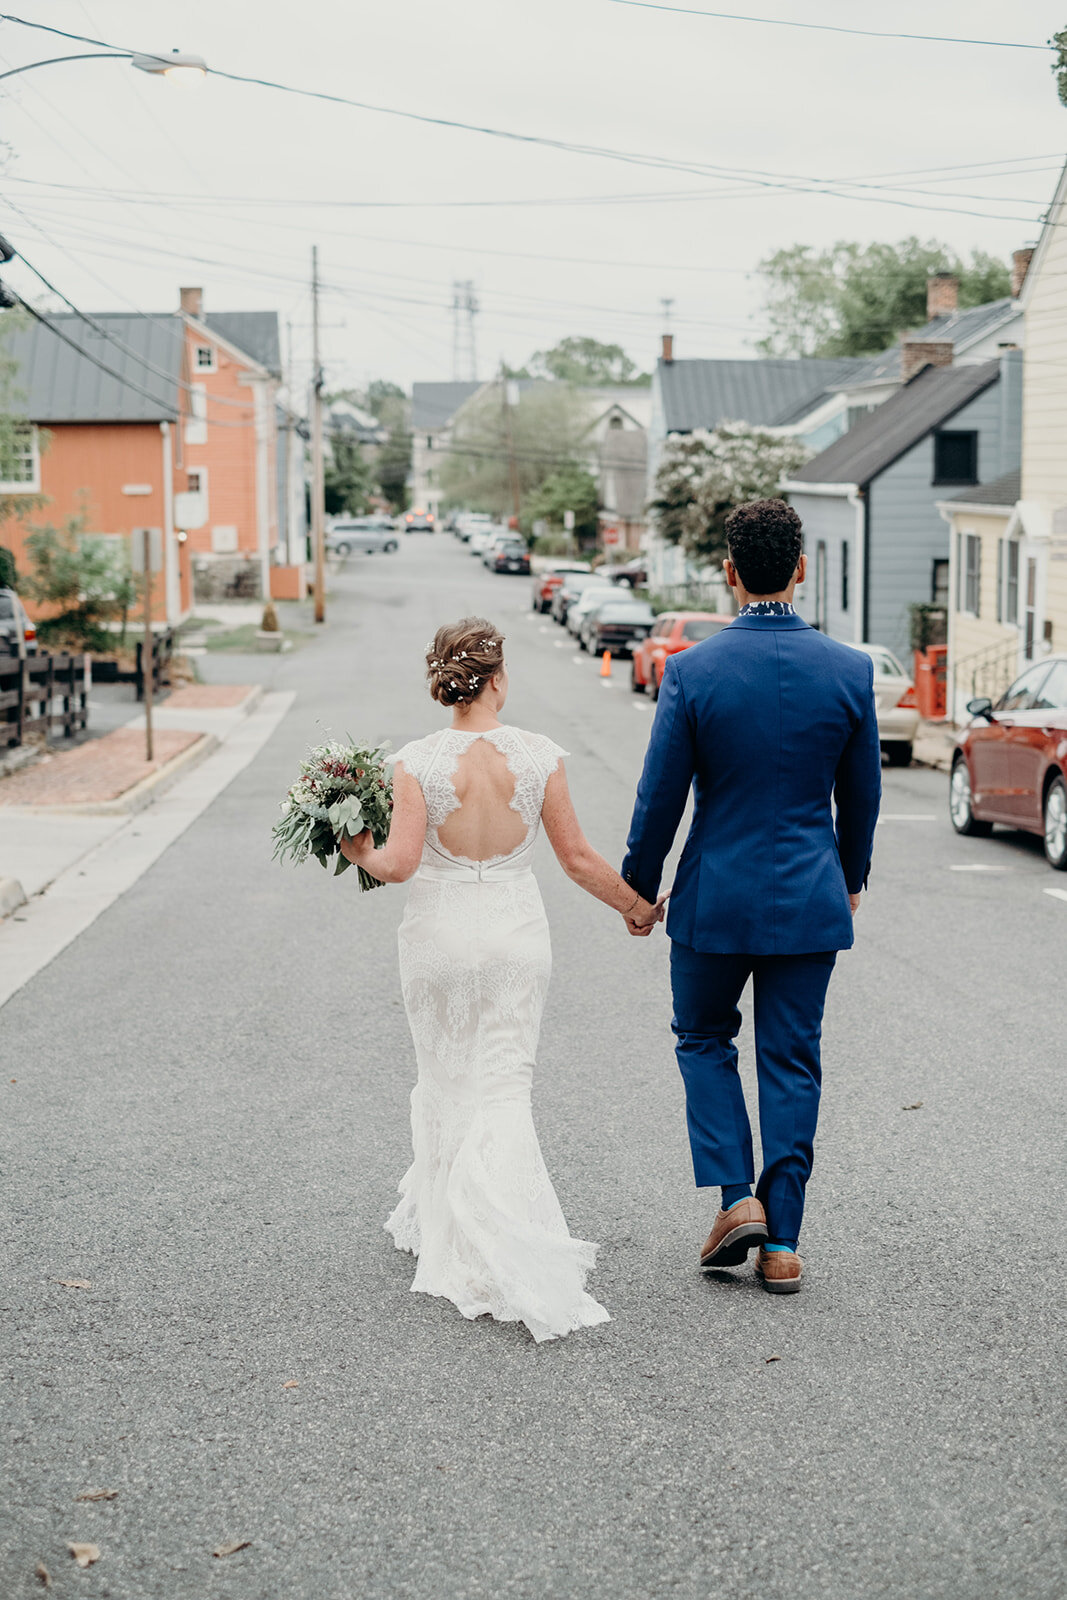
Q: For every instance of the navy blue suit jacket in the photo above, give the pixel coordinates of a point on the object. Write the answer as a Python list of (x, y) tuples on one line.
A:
[(767, 721)]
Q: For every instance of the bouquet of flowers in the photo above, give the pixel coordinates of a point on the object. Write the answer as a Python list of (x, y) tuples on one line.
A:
[(342, 790)]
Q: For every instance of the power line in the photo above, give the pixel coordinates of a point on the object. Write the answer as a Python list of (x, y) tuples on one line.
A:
[(827, 27)]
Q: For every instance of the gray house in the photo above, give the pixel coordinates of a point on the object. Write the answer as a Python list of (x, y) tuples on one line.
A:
[(875, 540)]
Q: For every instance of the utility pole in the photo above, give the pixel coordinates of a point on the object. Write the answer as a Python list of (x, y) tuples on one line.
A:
[(148, 654), (511, 396), (318, 485)]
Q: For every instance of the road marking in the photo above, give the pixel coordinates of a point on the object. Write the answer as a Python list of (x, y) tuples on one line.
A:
[(907, 816), (544, 629), (562, 644), (643, 705), (978, 866), (579, 661), (1057, 894)]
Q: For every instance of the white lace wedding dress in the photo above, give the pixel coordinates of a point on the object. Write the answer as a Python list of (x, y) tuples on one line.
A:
[(478, 1208)]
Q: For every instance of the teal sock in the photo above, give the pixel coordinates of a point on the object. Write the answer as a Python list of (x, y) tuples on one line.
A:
[(778, 1247), (733, 1193)]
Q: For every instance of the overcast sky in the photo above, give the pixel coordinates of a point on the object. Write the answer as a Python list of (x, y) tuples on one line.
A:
[(120, 187)]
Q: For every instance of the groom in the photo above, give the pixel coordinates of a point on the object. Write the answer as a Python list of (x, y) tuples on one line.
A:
[(767, 721)]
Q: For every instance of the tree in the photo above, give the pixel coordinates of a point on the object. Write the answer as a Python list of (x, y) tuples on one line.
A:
[(347, 476), (545, 428), (88, 578), (853, 300), (9, 576), (569, 488), (1059, 66), (382, 398), (702, 477), (587, 363)]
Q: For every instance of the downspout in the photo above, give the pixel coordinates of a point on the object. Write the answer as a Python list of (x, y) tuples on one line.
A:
[(865, 546), (857, 500), (171, 577)]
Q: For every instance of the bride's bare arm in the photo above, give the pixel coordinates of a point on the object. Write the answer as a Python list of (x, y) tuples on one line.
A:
[(584, 865), (397, 859)]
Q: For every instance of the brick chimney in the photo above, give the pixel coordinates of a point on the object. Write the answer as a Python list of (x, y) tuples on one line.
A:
[(668, 347), (942, 295), (1020, 266), (915, 354), (192, 301)]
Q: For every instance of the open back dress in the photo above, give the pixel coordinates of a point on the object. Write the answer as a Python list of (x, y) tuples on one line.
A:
[(477, 1205)]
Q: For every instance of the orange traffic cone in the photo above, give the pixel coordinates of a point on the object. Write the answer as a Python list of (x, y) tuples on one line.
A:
[(605, 664)]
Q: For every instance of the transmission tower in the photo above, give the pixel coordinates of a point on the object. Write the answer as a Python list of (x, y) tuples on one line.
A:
[(464, 307)]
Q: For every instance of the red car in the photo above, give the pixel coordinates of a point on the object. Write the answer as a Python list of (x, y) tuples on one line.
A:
[(1010, 764), (545, 584), (674, 631)]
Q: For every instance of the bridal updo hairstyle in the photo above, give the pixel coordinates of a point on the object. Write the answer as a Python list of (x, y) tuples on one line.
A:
[(461, 660), (764, 541)]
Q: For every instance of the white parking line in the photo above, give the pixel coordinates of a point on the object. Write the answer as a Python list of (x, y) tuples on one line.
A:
[(579, 661), (640, 705), (978, 866), (1057, 894)]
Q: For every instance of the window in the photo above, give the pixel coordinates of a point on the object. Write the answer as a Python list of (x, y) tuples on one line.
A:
[(196, 421), (20, 463), (429, 441), (664, 625), (196, 477), (820, 584), (844, 574), (1022, 694), (956, 457), (970, 572), (939, 584), (205, 358), (1010, 569), (702, 629), (1030, 623), (1053, 692)]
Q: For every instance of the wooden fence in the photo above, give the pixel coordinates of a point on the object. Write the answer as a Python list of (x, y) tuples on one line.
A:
[(42, 694)]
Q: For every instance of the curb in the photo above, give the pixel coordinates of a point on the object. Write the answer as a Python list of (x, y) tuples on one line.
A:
[(12, 896), (142, 794)]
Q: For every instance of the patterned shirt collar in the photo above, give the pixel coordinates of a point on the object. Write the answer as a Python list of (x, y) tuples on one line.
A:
[(767, 608)]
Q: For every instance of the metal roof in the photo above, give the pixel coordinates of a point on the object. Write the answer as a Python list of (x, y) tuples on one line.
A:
[(254, 332), (57, 383), (883, 436), (771, 392), (433, 405), (962, 329), (1001, 492)]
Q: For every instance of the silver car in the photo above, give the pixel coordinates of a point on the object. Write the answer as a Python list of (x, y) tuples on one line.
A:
[(366, 534), (17, 633)]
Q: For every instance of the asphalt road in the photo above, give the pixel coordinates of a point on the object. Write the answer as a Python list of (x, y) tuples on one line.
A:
[(210, 1118)]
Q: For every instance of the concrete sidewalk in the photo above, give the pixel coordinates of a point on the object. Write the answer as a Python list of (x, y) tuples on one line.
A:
[(68, 803)]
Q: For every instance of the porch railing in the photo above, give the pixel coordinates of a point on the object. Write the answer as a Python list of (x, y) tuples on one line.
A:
[(986, 672)]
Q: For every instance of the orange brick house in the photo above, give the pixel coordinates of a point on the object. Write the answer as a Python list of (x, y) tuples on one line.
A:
[(165, 421)]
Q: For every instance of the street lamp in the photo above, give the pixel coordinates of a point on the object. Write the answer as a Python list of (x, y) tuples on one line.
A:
[(179, 67)]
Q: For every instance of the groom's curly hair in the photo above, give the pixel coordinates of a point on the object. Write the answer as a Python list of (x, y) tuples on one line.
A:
[(764, 541)]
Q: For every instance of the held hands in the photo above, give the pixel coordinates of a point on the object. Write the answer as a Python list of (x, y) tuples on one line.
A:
[(854, 902), (644, 916)]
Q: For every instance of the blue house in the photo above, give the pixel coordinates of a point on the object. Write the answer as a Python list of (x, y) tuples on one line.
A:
[(875, 540)]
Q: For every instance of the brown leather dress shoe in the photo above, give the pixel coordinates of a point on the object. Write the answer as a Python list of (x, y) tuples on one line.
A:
[(781, 1271), (735, 1233)]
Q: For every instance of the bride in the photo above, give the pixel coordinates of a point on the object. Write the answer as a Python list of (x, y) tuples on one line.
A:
[(477, 1205)]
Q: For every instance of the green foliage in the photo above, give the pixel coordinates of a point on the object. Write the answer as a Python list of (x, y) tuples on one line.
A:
[(383, 398), (569, 488), (88, 578), (703, 476), (546, 427), (9, 577), (587, 363), (1059, 66), (853, 300), (348, 477)]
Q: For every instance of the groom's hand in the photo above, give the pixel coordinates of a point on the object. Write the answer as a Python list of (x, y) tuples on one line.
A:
[(643, 918)]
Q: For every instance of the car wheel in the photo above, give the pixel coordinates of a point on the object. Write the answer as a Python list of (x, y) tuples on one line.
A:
[(960, 807), (898, 753), (342, 549), (1056, 825), (635, 683), (392, 545)]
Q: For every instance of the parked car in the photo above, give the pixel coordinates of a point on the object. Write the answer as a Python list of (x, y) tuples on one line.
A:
[(1010, 762), (898, 709), (500, 536), (594, 594), (417, 521), (18, 634), (368, 534), (510, 555), (618, 625), (471, 522), (571, 587), (483, 537), (673, 631), (546, 583), (628, 573)]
